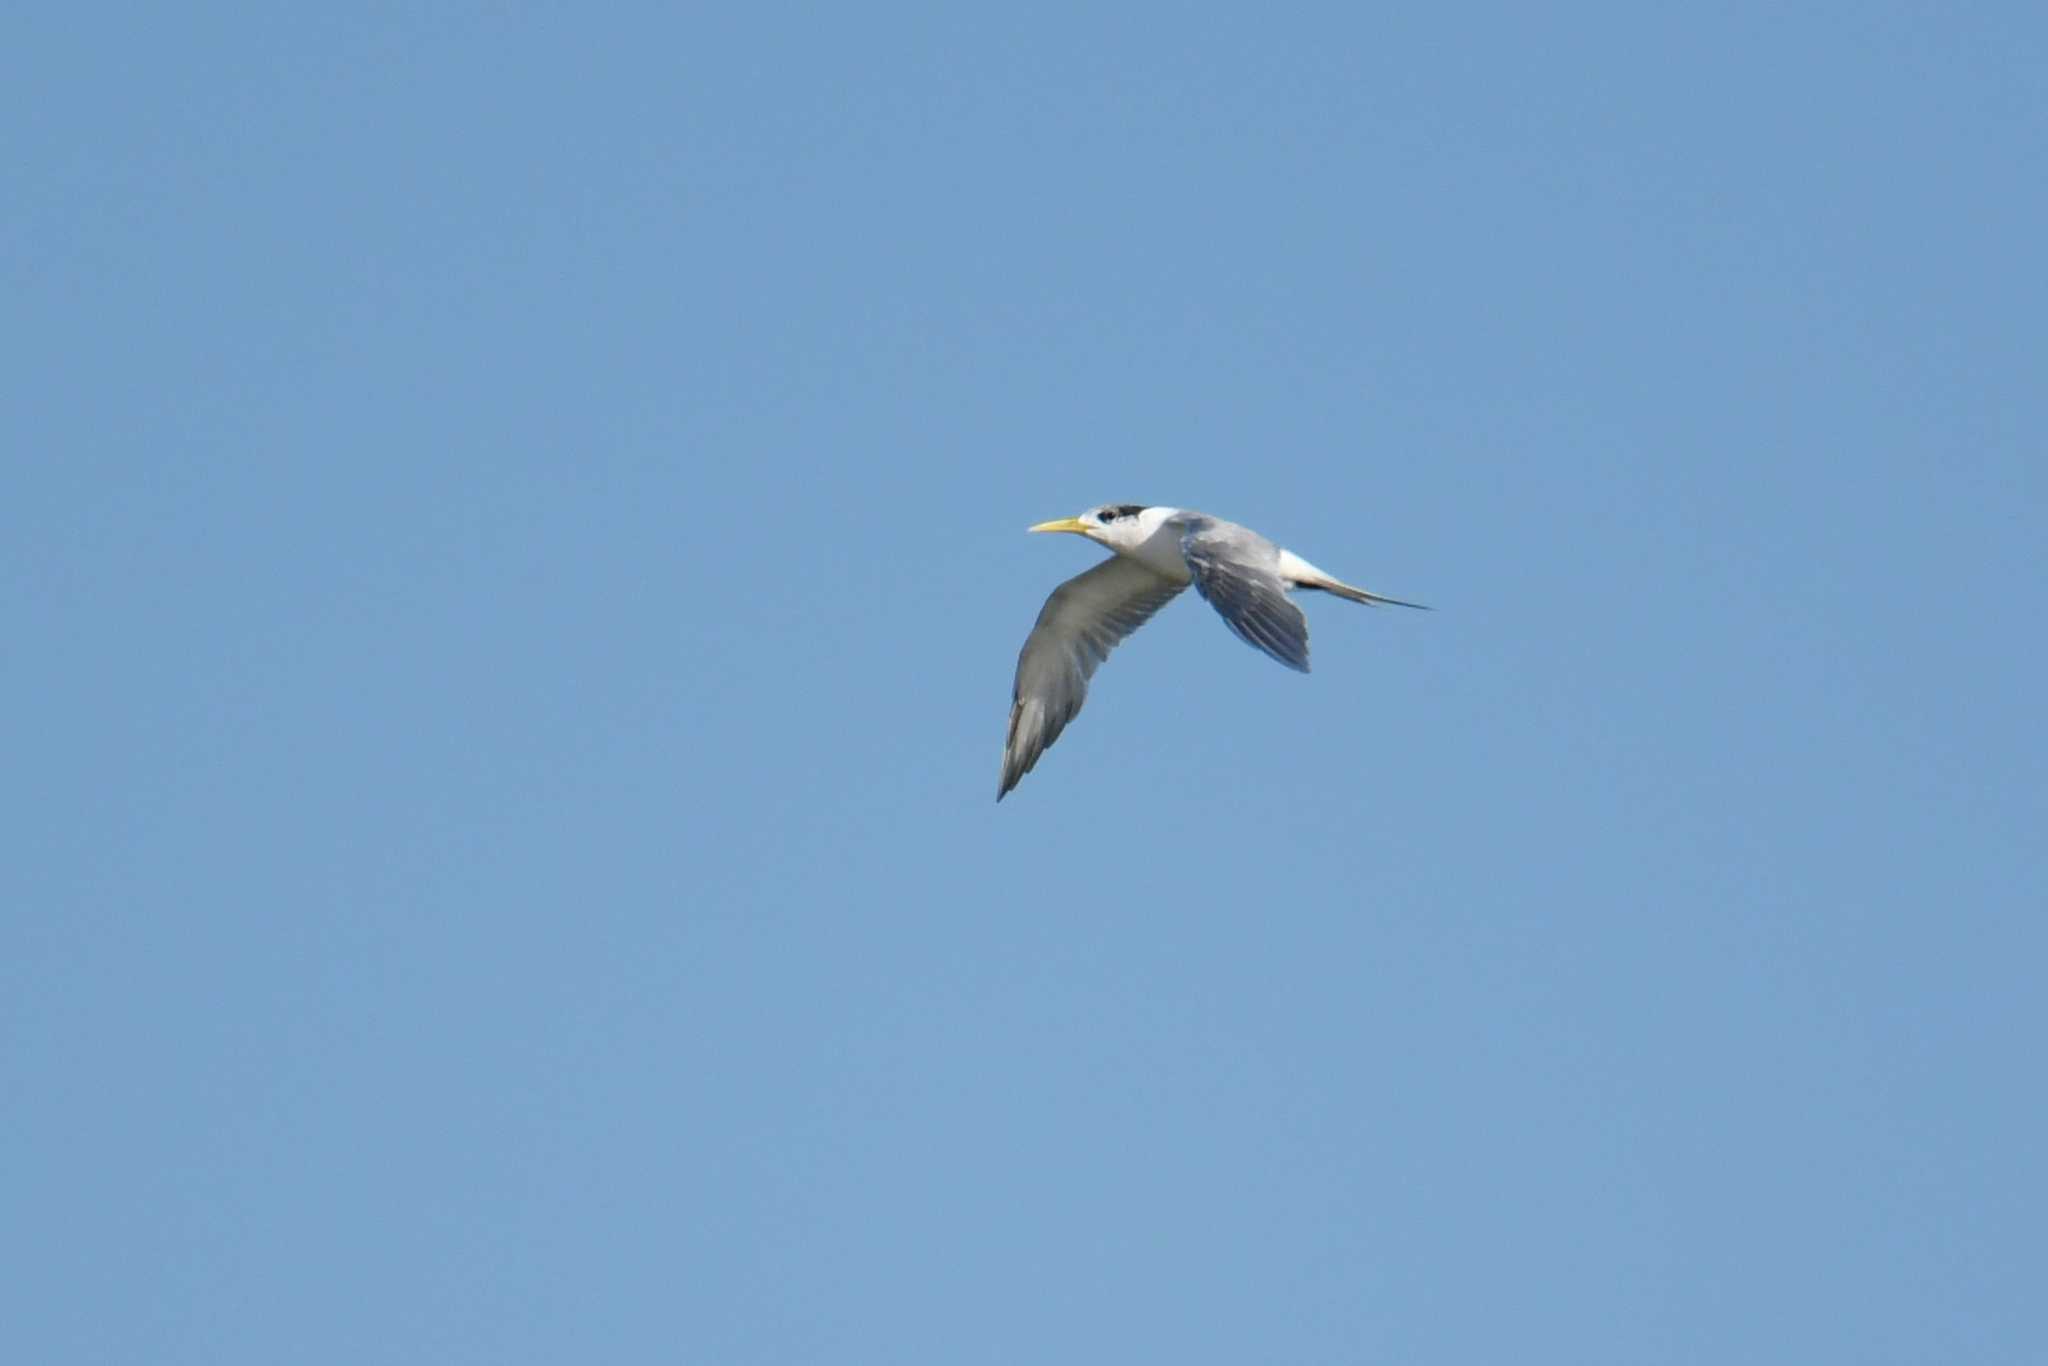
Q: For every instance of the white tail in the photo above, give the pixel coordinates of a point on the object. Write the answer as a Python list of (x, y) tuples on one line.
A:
[(1302, 574)]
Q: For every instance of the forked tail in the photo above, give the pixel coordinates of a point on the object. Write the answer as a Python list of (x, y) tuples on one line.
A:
[(1302, 574), (1345, 590)]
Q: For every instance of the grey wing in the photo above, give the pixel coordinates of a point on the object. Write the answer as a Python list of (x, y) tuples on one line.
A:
[(1085, 618), (1238, 571)]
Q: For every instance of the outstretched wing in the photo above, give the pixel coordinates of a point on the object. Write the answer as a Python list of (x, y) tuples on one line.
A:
[(1238, 571), (1085, 618)]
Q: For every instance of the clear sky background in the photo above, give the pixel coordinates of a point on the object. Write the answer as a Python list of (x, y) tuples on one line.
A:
[(513, 561)]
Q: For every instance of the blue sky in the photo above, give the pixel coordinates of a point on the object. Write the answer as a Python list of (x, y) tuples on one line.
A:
[(513, 562)]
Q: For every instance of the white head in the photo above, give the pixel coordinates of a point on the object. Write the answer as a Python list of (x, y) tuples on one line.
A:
[(1120, 526)]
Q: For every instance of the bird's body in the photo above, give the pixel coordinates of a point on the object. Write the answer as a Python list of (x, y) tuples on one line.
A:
[(1159, 551)]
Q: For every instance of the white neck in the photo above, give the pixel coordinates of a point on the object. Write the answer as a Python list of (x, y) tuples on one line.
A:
[(1150, 539)]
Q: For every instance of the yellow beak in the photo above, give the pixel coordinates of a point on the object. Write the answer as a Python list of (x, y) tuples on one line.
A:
[(1073, 524)]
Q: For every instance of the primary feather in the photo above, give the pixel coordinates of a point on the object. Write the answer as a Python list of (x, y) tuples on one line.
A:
[(1085, 618)]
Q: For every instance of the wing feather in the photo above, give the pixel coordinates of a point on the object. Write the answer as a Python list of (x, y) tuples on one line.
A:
[(1085, 618), (1238, 571)]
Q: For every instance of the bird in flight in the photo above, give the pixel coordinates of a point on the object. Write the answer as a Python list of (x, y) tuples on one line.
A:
[(1159, 551)]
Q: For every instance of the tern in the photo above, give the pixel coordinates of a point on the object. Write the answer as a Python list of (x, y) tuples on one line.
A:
[(1159, 551)]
